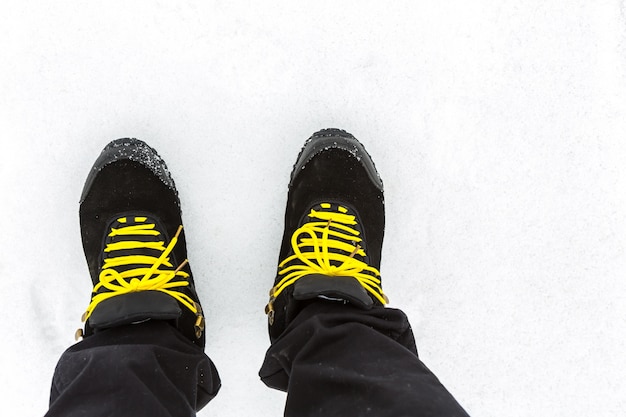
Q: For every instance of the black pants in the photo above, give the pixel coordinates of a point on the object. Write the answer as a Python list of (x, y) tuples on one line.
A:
[(333, 360)]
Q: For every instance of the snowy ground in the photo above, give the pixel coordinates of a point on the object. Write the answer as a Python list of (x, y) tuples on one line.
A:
[(498, 128)]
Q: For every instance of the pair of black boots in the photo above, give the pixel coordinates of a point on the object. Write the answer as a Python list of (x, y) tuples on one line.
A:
[(134, 241)]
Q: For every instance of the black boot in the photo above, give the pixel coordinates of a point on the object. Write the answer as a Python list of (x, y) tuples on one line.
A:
[(334, 227), (134, 243)]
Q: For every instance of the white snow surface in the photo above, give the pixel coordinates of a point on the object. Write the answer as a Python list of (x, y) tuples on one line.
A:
[(498, 128)]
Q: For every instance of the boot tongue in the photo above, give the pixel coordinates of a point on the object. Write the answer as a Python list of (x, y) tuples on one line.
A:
[(134, 307), (334, 288)]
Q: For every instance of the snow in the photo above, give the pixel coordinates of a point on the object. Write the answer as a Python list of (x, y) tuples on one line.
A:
[(498, 128)]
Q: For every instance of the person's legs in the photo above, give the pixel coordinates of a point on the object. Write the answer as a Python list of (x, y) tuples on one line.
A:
[(146, 369), (336, 349), (338, 360), (143, 346)]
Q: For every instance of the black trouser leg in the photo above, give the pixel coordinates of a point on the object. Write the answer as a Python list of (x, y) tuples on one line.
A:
[(336, 360), (147, 369)]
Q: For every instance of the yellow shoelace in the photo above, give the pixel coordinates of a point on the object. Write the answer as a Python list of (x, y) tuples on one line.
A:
[(151, 276), (320, 238)]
